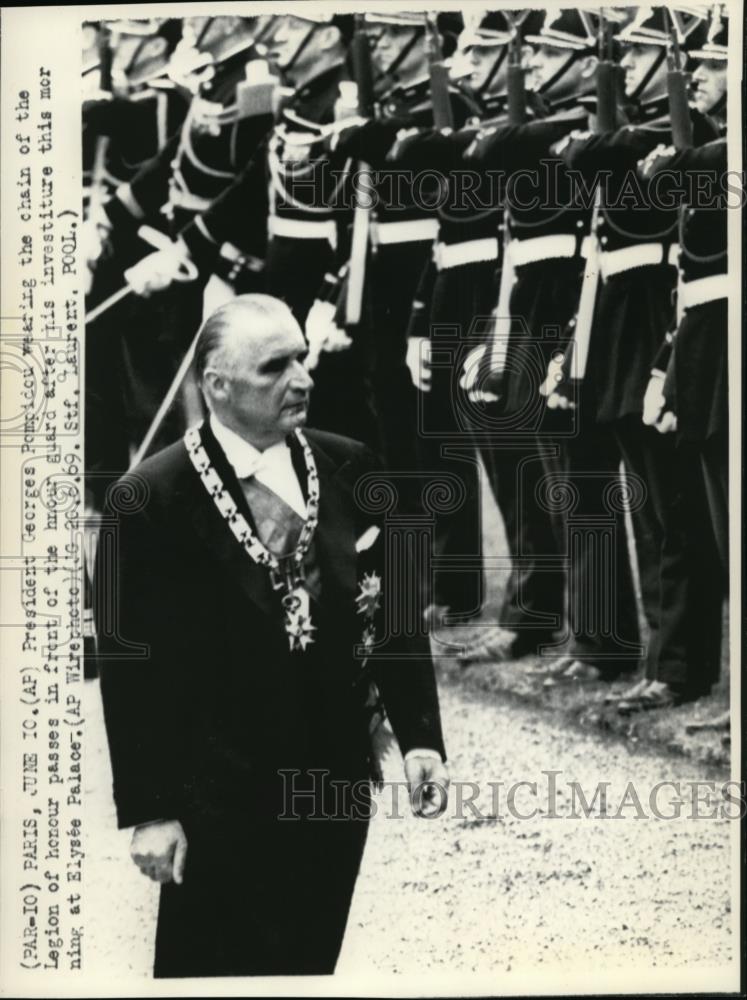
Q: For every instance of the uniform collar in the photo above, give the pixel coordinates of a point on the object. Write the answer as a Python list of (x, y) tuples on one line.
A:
[(319, 84)]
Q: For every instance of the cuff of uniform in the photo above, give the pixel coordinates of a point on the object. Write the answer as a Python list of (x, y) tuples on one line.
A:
[(203, 249), (423, 752)]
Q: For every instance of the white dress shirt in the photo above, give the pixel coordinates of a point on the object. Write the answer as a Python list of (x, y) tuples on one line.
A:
[(272, 467)]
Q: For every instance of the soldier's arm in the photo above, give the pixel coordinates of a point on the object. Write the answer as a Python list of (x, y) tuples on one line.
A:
[(238, 216), (146, 193)]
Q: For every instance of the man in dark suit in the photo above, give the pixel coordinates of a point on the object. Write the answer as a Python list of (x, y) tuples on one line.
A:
[(244, 588)]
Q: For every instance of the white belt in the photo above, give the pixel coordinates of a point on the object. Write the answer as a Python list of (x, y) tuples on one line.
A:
[(695, 293), (303, 229), (448, 255), (639, 255), (542, 248), (409, 231)]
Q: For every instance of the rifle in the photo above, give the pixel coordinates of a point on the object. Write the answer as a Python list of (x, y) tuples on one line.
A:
[(98, 170), (605, 121), (443, 115), (362, 71), (679, 109), (516, 92), (679, 114), (516, 106)]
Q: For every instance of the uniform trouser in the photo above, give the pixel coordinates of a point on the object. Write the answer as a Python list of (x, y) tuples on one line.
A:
[(714, 463), (260, 898), (692, 583), (449, 302), (534, 598), (602, 613), (677, 557), (395, 271), (450, 474)]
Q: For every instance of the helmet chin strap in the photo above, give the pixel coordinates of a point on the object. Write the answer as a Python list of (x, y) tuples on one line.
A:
[(391, 70), (648, 75), (561, 71), (301, 46), (483, 90)]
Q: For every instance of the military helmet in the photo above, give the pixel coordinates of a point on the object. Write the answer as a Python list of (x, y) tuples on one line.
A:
[(716, 45)]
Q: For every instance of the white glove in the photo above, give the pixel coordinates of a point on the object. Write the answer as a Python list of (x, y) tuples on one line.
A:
[(419, 362), (159, 270), (94, 235), (322, 333), (653, 399), (470, 373), (667, 423), (554, 374)]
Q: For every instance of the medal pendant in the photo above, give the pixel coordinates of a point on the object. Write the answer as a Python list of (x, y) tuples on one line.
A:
[(298, 622)]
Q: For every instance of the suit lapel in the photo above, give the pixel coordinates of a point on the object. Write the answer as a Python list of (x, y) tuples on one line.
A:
[(335, 534)]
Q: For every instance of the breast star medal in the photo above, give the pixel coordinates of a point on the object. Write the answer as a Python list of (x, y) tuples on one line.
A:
[(286, 575)]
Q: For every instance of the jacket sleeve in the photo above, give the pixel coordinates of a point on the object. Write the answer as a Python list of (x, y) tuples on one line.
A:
[(403, 669), (132, 605)]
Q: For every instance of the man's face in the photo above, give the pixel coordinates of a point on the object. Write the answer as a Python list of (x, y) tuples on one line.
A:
[(265, 386), (390, 41), (709, 84), (637, 62), (545, 63), (287, 38), (481, 59)]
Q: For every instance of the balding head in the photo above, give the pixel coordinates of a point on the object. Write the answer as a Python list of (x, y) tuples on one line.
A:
[(249, 363)]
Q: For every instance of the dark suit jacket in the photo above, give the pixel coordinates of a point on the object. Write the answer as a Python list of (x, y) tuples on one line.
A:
[(203, 700)]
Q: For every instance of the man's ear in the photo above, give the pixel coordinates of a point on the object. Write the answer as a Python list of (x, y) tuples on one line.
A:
[(329, 37), (214, 385), (588, 66), (527, 54)]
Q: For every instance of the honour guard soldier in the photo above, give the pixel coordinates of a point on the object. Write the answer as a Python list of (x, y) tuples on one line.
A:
[(694, 389), (634, 308), (456, 300), (135, 107), (547, 230), (403, 225), (145, 343)]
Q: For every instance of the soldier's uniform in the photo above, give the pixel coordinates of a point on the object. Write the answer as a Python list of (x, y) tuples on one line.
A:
[(135, 107), (145, 341), (634, 308), (547, 230), (403, 230), (454, 310), (305, 183), (402, 233), (695, 549)]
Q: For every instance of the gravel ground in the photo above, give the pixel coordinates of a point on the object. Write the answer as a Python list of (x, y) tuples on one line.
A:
[(497, 897)]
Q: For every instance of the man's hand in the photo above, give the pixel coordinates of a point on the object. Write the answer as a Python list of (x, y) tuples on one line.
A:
[(653, 400), (419, 362), (95, 235), (160, 850), (322, 333), (159, 270), (428, 782)]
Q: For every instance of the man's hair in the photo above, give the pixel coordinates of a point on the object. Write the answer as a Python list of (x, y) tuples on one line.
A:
[(258, 311)]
